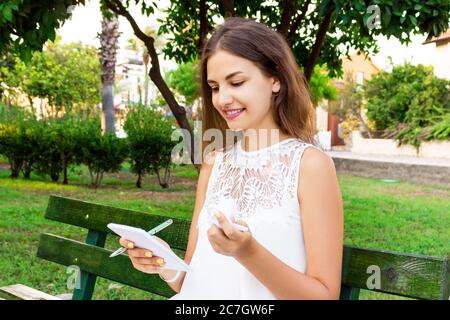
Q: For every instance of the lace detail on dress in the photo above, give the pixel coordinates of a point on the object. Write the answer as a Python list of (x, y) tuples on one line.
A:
[(263, 179)]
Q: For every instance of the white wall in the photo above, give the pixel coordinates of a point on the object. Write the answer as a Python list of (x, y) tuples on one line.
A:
[(431, 149)]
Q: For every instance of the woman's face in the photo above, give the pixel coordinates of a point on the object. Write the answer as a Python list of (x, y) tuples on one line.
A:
[(241, 93)]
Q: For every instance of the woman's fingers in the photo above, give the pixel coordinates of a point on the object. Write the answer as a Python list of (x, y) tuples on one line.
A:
[(140, 253), (147, 268), (227, 228), (126, 244), (145, 257), (156, 261)]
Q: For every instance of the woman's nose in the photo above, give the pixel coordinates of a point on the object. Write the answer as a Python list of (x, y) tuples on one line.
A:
[(224, 98)]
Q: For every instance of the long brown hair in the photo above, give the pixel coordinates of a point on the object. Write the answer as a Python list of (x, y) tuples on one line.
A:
[(292, 108)]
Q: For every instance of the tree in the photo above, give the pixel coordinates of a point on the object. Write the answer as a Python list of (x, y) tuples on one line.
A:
[(319, 32), (408, 102), (109, 44), (25, 25), (321, 86), (100, 152), (139, 48), (155, 73), (65, 75), (11, 76), (185, 80), (149, 138), (349, 106)]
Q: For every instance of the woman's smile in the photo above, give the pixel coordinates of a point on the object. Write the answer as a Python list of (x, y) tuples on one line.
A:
[(232, 114)]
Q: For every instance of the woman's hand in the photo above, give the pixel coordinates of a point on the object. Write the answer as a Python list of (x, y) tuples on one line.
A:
[(229, 241), (144, 260)]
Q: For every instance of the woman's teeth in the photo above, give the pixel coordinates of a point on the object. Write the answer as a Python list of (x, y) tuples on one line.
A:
[(234, 111)]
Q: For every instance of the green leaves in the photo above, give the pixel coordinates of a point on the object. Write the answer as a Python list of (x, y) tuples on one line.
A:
[(350, 21), (99, 152), (149, 137), (408, 103), (185, 80), (67, 75), (25, 25), (321, 86)]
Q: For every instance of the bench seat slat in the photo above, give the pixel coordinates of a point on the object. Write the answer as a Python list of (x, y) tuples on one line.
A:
[(96, 260), (407, 275), (22, 292), (96, 217)]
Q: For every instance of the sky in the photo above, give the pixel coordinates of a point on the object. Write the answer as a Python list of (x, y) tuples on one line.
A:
[(85, 24)]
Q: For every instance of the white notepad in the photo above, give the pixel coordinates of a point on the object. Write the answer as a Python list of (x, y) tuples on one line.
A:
[(144, 240)]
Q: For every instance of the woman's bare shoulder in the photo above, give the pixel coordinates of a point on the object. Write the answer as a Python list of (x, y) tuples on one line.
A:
[(317, 171), (314, 159)]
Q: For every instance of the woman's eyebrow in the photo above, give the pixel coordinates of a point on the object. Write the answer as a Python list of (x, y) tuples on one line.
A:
[(227, 77)]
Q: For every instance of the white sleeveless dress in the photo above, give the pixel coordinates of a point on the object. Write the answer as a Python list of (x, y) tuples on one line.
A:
[(259, 187)]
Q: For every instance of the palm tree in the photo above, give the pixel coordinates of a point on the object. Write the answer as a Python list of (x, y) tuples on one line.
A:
[(138, 47), (109, 44)]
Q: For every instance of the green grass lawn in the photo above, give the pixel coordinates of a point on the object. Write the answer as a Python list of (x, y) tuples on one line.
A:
[(400, 217)]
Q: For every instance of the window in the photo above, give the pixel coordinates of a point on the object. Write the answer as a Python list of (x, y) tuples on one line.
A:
[(359, 78)]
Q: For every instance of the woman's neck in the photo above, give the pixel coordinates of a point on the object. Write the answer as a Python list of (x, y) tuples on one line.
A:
[(255, 139)]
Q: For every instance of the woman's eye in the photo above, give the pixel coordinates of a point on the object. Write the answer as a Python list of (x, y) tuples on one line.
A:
[(234, 84)]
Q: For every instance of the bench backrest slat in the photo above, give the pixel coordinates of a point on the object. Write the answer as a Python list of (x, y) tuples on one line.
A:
[(96, 217), (407, 275), (95, 260)]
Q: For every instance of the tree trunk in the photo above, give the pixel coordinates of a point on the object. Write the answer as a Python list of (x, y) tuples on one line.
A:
[(26, 170), (286, 16), (43, 115), (203, 27), (320, 38), (30, 99), (108, 107), (98, 179), (109, 44), (146, 80), (65, 179), (92, 177), (155, 75), (16, 166), (54, 176), (163, 183), (229, 8), (366, 127), (294, 26), (139, 180)]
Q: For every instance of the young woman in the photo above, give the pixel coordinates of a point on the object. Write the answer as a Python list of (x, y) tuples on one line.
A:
[(273, 180)]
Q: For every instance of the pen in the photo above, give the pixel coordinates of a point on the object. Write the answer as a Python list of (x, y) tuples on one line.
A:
[(151, 232)]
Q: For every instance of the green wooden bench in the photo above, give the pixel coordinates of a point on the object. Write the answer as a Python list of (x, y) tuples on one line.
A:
[(400, 274)]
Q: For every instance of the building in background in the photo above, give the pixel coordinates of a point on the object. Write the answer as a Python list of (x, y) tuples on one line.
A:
[(130, 82), (360, 68), (441, 59)]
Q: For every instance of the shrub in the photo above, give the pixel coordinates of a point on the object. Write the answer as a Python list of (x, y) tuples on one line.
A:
[(19, 131), (149, 138), (406, 103), (58, 146), (100, 153)]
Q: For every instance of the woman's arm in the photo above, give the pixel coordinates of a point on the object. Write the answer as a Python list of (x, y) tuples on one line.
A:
[(322, 222), (202, 185)]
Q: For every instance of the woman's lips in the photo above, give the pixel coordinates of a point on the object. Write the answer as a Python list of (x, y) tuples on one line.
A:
[(236, 113)]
